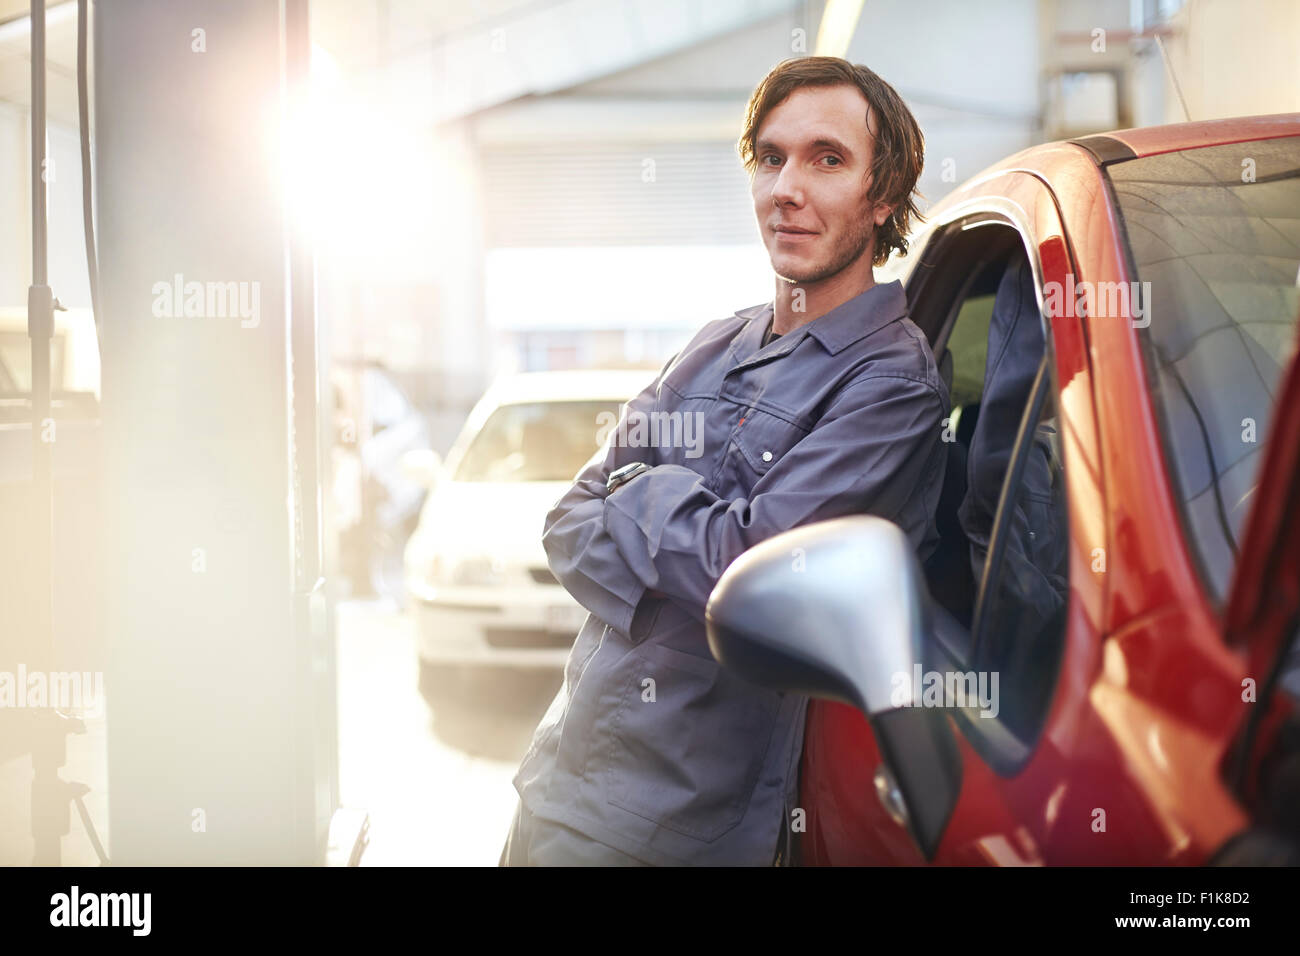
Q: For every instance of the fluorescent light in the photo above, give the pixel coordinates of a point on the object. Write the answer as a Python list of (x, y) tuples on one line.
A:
[(839, 22)]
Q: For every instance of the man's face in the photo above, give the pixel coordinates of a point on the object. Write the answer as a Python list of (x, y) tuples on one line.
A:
[(810, 186)]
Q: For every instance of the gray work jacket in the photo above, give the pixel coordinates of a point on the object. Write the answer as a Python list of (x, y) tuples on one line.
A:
[(651, 746)]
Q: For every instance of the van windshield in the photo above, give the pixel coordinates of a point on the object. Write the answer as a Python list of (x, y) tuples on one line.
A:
[(536, 441)]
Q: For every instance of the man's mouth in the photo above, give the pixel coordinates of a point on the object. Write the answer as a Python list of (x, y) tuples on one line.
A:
[(793, 233)]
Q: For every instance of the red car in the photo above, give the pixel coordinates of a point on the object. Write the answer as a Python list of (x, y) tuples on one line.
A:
[(1097, 665)]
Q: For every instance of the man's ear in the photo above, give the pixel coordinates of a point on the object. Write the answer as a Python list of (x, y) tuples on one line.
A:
[(883, 212)]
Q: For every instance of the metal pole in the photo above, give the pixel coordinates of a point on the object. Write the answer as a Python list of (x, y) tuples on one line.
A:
[(49, 809)]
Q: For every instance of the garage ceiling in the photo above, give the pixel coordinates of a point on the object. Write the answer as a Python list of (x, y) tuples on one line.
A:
[(449, 59), (455, 59)]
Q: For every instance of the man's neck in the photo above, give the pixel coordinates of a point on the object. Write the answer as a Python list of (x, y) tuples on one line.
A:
[(797, 304)]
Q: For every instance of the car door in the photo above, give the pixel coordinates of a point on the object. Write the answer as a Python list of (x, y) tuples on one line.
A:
[(852, 810), (1262, 618)]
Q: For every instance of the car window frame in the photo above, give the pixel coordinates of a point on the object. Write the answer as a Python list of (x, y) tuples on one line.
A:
[(1003, 750)]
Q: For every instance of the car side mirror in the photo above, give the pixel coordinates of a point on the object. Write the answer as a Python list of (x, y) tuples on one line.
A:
[(422, 466), (839, 610)]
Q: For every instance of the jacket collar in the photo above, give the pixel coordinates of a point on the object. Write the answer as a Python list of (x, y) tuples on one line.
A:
[(836, 330)]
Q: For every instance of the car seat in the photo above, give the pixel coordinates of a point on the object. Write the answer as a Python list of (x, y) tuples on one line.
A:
[(1032, 579)]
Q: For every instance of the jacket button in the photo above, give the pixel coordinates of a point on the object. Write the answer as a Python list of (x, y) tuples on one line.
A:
[(767, 456)]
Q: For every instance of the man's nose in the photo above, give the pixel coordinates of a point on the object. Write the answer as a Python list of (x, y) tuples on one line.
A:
[(788, 188)]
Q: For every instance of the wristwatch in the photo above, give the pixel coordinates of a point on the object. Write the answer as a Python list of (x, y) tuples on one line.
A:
[(621, 476)]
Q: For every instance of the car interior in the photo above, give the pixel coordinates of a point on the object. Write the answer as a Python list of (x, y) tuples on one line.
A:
[(973, 295), (961, 276)]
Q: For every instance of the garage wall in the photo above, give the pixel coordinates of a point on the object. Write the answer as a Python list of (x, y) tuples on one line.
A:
[(646, 193), (1236, 57)]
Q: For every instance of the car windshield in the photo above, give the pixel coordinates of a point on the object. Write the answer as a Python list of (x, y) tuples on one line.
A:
[(1216, 233), (538, 441)]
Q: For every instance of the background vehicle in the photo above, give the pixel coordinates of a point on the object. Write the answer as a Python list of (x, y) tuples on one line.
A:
[(475, 568), (377, 505), (1118, 526)]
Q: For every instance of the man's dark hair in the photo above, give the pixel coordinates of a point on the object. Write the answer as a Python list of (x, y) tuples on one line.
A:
[(899, 149)]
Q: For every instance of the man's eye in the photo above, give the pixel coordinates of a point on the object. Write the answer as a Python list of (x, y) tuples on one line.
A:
[(770, 156), (835, 160)]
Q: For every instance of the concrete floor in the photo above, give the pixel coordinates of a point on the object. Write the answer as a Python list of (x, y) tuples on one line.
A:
[(434, 775)]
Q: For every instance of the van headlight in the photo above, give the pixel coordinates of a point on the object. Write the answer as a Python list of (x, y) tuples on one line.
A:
[(480, 571)]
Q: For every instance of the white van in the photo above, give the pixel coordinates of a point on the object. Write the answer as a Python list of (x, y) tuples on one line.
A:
[(475, 569)]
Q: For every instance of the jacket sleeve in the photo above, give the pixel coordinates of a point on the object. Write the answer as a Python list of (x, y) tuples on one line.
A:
[(867, 454), (580, 554)]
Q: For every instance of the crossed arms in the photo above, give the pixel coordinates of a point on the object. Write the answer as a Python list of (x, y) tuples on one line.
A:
[(664, 531)]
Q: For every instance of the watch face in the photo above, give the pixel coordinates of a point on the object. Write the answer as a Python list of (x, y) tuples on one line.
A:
[(622, 475)]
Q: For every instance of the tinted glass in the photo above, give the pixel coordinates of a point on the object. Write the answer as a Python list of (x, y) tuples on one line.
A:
[(1216, 233)]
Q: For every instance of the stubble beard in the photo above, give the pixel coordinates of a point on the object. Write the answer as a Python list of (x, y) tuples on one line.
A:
[(851, 246)]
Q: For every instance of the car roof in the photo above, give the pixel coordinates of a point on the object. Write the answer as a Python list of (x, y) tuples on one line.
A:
[(1120, 145), (570, 385), (1060, 162), (1150, 140)]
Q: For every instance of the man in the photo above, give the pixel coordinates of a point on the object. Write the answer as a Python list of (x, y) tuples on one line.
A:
[(822, 403)]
